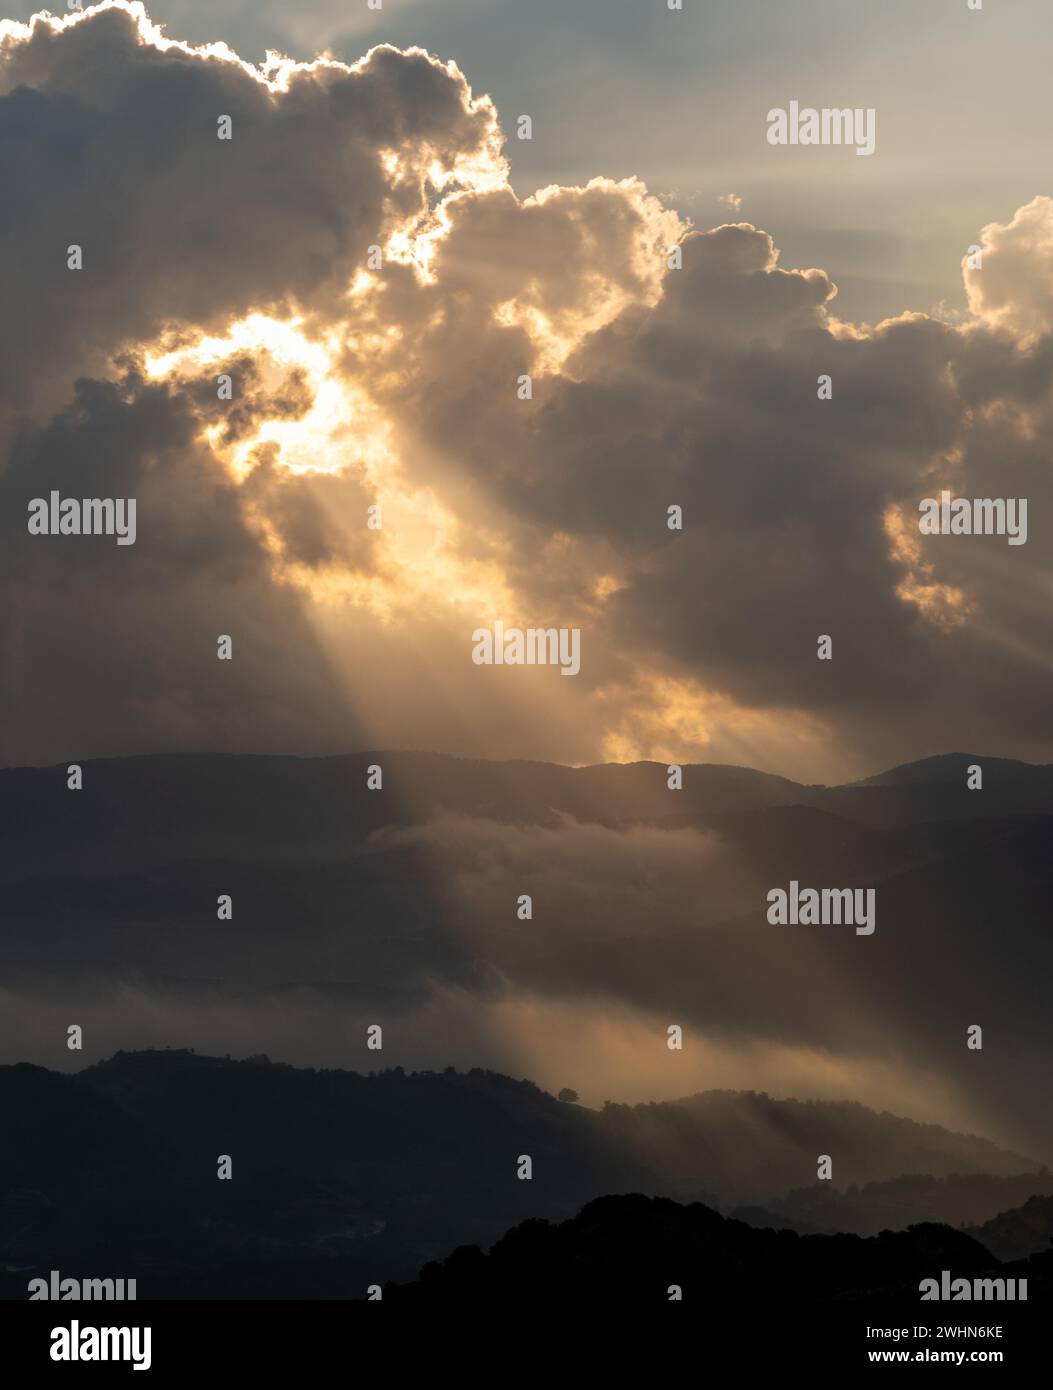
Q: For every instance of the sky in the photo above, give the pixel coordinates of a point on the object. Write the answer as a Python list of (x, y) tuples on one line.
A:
[(357, 386), (625, 87)]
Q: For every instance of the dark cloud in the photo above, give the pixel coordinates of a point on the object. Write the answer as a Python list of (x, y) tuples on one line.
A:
[(115, 647), (111, 143)]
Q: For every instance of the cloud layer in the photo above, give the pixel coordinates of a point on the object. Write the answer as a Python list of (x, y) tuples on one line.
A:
[(360, 381)]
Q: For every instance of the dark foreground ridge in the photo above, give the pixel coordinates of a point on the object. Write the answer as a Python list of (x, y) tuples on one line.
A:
[(638, 1250)]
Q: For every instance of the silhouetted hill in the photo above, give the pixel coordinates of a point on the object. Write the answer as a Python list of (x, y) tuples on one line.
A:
[(723, 1144), (632, 1249), (342, 1180)]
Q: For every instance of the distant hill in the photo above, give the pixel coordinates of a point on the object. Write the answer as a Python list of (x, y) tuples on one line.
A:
[(747, 1147), (1026, 1230), (951, 769), (163, 805), (977, 1202)]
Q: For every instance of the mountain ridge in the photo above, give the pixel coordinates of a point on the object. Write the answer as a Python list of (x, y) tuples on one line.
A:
[(913, 770)]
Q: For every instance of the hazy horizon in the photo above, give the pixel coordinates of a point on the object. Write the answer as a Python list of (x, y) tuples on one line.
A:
[(442, 753)]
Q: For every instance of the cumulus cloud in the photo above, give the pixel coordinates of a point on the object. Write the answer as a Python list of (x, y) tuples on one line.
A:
[(1010, 285), (394, 385), (111, 142)]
